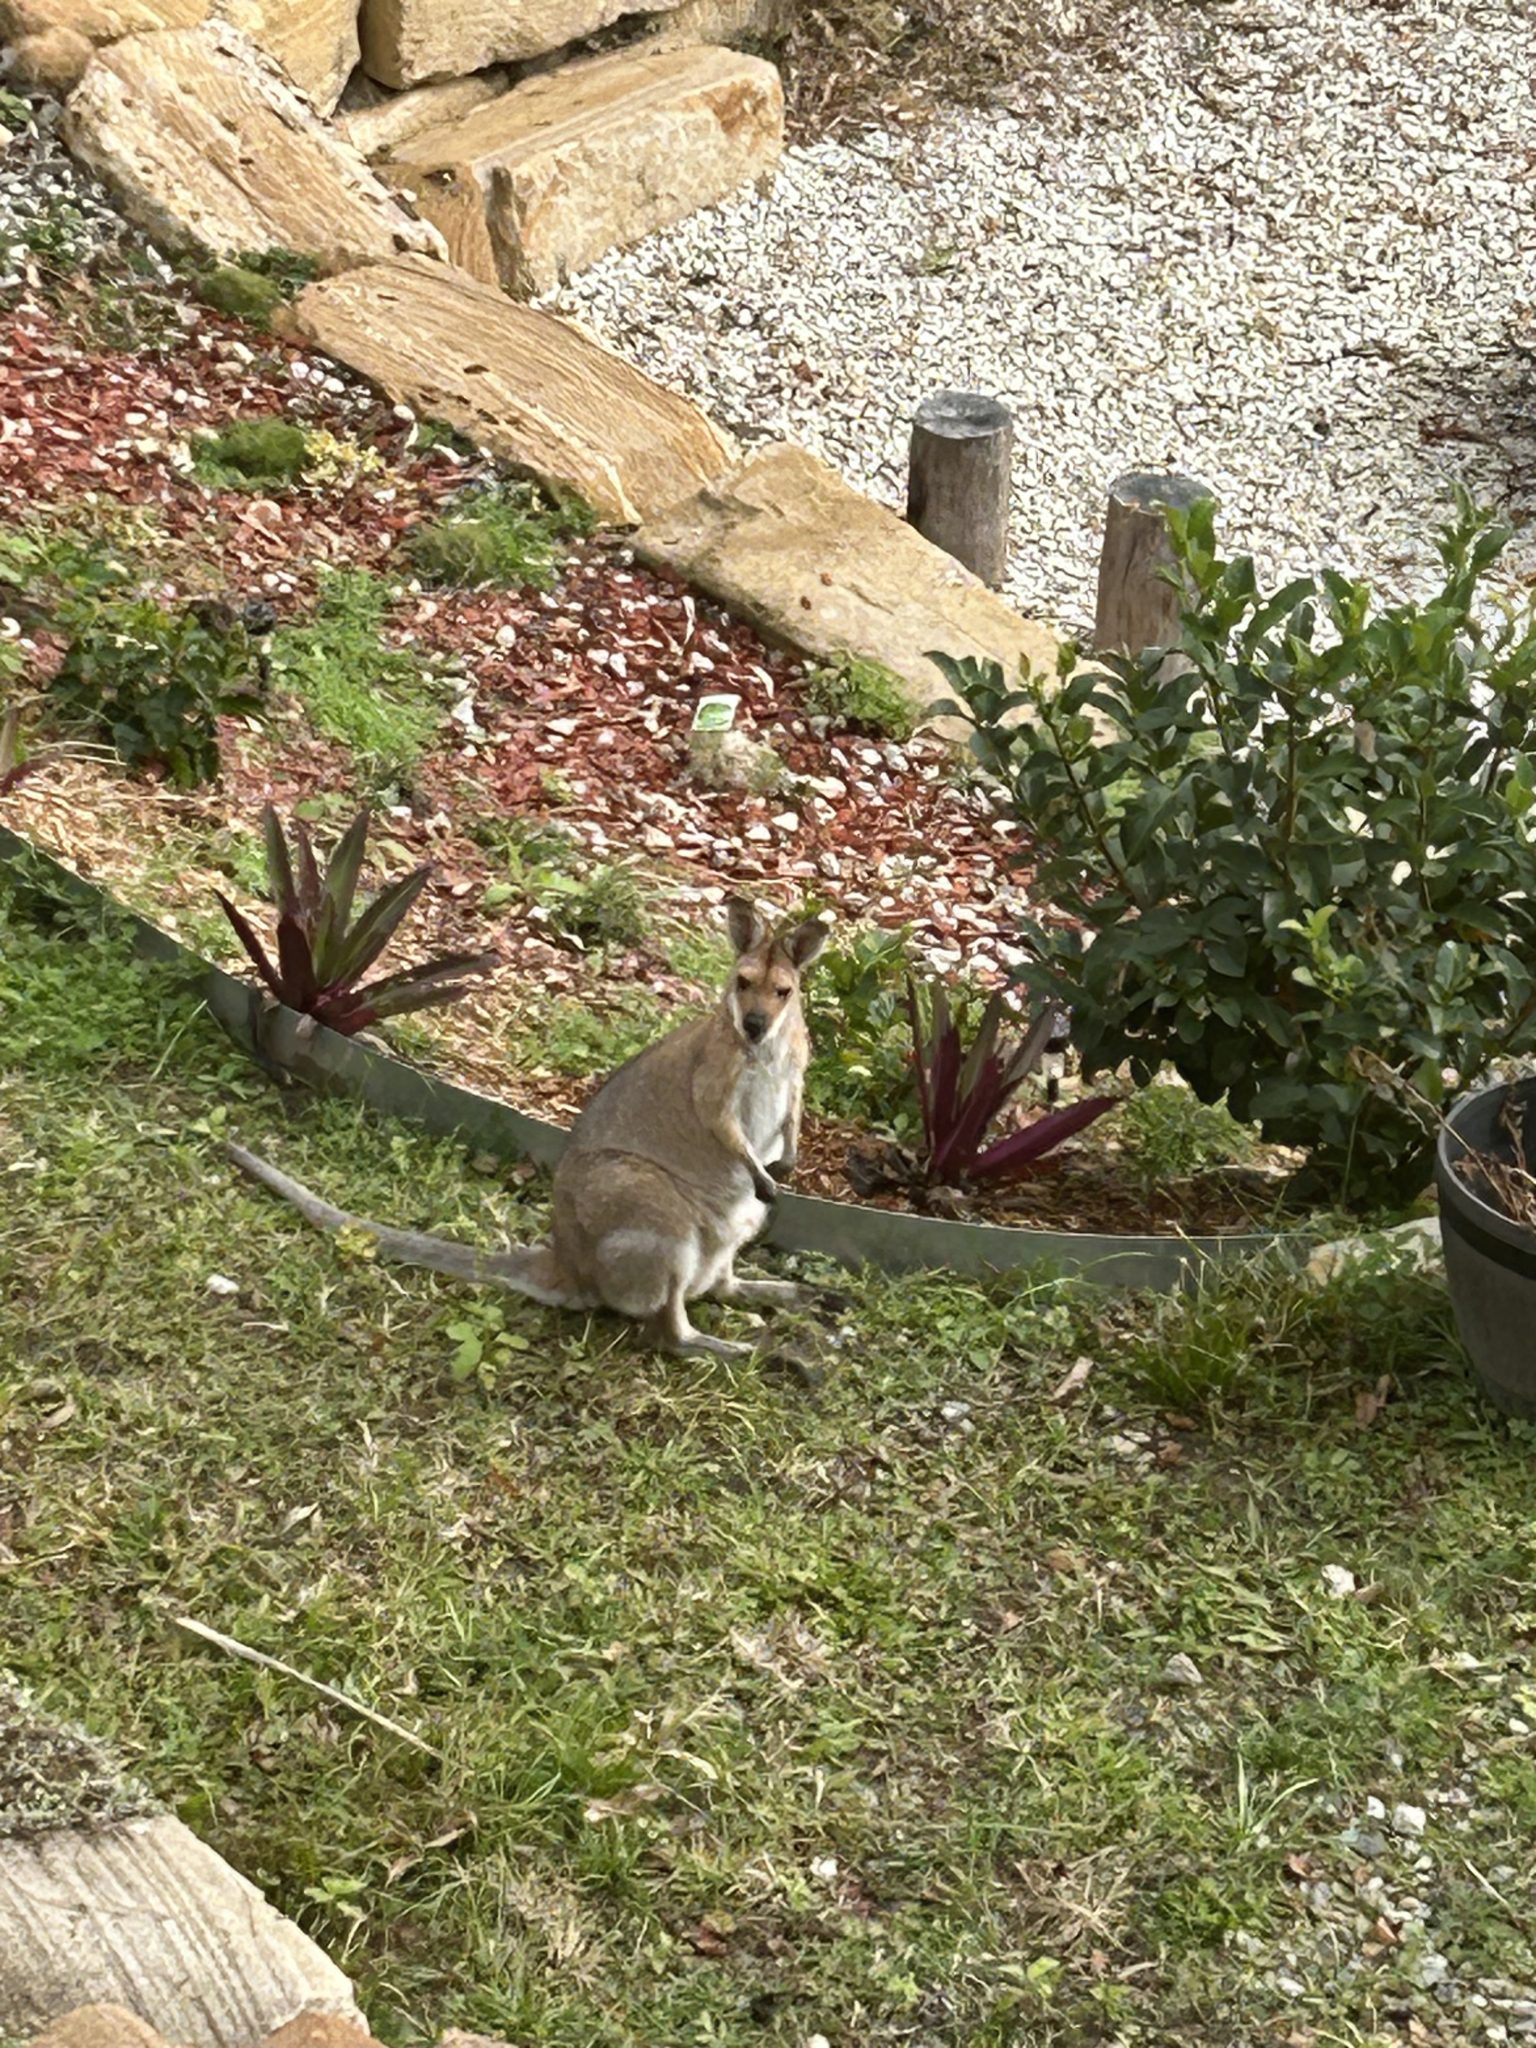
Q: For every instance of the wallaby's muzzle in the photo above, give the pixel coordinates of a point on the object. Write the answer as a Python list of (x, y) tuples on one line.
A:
[(754, 1024)]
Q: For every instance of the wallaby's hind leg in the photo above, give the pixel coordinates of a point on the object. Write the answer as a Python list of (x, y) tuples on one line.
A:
[(772, 1293), (673, 1332)]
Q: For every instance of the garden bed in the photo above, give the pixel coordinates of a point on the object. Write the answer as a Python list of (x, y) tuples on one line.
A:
[(533, 744)]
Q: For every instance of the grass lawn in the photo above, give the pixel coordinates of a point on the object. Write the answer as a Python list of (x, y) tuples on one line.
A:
[(760, 1716)]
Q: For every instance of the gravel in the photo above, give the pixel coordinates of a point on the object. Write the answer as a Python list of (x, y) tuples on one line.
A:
[(1289, 248)]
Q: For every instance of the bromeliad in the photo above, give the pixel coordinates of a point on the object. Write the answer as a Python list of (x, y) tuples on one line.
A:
[(323, 952)]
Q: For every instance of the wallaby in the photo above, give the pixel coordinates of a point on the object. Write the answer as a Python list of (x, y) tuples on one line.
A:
[(666, 1174)]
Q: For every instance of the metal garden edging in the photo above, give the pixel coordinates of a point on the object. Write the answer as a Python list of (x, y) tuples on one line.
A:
[(895, 1240)]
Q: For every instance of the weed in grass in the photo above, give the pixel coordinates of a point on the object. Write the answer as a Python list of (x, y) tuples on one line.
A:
[(286, 268), (851, 691), (544, 866), (355, 688), (428, 434), (57, 238), (1167, 1133), (264, 454), (507, 537), (573, 1038)]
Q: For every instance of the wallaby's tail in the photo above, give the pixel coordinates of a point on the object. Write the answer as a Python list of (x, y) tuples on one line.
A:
[(529, 1270)]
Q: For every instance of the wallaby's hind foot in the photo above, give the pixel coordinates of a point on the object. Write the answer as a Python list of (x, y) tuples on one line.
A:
[(671, 1331), (771, 1293)]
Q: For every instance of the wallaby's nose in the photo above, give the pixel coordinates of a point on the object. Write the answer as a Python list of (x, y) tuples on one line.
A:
[(754, 1023)]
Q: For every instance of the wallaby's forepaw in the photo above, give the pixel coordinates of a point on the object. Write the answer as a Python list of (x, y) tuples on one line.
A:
[(765, 1188), (781, 1169)]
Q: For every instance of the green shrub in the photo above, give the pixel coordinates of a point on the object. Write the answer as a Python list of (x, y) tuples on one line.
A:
[(153, 681), (1306, 866), (861, 1039), (250, 454), (505, 537), (852, 691), (371, 697)]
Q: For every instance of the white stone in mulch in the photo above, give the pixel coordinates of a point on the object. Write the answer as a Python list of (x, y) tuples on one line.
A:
[(1290, 247)]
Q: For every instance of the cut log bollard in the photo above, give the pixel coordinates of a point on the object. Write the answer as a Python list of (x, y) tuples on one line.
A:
[(958, 479), (1137, 608)]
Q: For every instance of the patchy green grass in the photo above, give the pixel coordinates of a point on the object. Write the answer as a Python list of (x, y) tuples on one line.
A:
[(373, 698), (251, 455), (508, 537), (758, 1716), (865, 694)]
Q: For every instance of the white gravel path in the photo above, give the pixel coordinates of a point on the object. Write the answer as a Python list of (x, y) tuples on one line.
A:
[(1291, 249)]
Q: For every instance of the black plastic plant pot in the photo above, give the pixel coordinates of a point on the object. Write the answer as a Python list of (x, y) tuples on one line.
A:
[(1490, 1260)]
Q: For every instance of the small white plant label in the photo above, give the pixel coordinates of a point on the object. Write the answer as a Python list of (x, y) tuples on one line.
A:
[(715, 713)]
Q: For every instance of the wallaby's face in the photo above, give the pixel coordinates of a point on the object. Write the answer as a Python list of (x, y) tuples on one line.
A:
[(764, 988)]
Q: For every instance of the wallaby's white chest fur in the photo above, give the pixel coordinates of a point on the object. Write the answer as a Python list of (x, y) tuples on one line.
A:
[(762, 1101)]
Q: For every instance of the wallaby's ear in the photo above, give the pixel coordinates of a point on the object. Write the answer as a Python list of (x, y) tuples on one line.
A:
[(805, 942), (744, 924)]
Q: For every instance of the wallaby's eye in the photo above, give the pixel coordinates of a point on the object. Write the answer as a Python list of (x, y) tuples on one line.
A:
[(743, 982), (783, 990)]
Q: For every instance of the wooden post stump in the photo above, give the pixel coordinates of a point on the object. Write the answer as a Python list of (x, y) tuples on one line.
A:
[(1137, 609), (959, 474)]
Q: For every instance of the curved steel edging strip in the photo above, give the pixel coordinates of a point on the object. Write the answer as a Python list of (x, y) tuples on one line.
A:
[(895, 1240)]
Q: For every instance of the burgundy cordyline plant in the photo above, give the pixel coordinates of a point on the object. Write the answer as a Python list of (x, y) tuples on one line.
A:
[(323, 952)]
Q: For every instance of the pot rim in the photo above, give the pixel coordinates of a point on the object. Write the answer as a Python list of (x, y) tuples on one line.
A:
[(1453, 1190)]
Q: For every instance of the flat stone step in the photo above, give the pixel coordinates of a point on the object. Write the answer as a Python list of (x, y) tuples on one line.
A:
[(817, 566), (541, 392), (594, 156), (205, 145)]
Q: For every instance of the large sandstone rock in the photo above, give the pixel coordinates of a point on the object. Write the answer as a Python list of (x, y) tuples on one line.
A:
[(99, 21), (718, 21), (543, 393), (817, 566), (408, 42), (315, 41), (207, 147), (144, 1915), (594, 156), (379, 120)]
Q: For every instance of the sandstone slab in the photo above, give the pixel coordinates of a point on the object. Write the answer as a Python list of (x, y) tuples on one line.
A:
[(99, 2026), (315, 41), (145, 1916), (207, 147), (375, 120), (320, 2030), (411, 42), (541, 392), (733, 22), (817, 566), (593, 156)]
